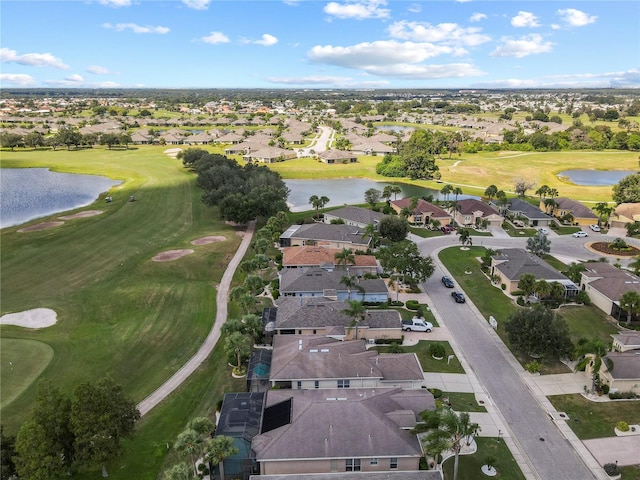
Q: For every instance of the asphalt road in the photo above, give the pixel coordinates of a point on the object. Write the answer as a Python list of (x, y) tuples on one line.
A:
[(549, 455)]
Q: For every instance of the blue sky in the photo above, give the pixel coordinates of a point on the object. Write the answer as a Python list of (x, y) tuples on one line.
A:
[(319, 44)]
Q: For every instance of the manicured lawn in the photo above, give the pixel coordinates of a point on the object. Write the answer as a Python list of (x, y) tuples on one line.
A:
[(555, 263), (470, 465), (565, 230), (595, 419), (426, 233), (430, 364), (463, 402), (518, 232), (588, 322), (119, 312)]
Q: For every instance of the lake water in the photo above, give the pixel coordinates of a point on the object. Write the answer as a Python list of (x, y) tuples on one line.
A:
[(348, 191), (394, 128), (594, 177), (30, 193)]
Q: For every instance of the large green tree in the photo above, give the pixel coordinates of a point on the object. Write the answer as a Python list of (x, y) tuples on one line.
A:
[(393, 228), (218, 448), (539, 244), (405, 259), (102, 416), (630, 303), (627, 190), (539, 331)]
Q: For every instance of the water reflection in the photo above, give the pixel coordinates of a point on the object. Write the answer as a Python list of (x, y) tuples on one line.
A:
[(594, 177), (29, 193), (348, 191)]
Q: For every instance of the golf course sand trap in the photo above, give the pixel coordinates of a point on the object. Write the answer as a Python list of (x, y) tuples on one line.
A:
[(35, 318), (40, 226), (207, 240), (173, 152), (87, 213), (171, 255)]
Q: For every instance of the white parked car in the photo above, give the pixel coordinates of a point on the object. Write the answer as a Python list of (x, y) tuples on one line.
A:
[(594, 227), (580, 234), (544, 231)]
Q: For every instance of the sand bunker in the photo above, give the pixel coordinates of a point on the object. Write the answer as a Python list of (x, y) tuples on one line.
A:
[(40, 226), (87, 213), (173, 152), (209, 239), (35, 318), (171, 255)]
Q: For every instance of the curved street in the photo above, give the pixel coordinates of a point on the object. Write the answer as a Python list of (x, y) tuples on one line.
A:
[(214, 334), (543, 450)]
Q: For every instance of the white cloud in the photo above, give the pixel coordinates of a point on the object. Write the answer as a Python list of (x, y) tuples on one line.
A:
[(73, 80), (17, 79), (576, 18), (135, 28), (329, 81), (267, 40), (197, 4), (614, 79), (215, 38), (32, 59), (414, 8), (291, 3), (392, 59), (358, 9), (525, 19), (522, 47), (446, 33), (476, 17), (98, 70), (507, 83), (116, 3)]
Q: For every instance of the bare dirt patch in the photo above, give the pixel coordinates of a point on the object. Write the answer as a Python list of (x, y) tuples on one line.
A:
[(34, 318), (40, 226), (85, 214), (207, 240), (170, 255)]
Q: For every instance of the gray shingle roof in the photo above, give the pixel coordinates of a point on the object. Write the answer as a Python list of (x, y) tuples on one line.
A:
[(316, 312), (343, 423), (611, 281), (528, 210), (357, 214), (318, 279), (517, 262), (626, 365), (336, 233), (576, 208)]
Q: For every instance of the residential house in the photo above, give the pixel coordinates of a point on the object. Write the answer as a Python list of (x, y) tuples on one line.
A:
[(605, 285), (416, 475), (624, 214), (528, 213), (323, 316), (626, 341), (305, 257), (269, 155), (231, 138), (566, 208), (509, 264), (138, 138), (321, 362), (323, 235), (371, 147), (318, 282), (357, 216), (471, 212), (621, 371), (423, 213), (200, 138), (337, 156), (340, 430)]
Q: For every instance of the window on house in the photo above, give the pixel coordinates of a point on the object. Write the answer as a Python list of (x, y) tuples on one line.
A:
[(334, 465), (343, 383), (316, 384), (373, 461), (352, 464), (299, 383), (417, 218), (393, 463)]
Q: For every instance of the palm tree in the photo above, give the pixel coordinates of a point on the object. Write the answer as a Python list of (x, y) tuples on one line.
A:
[(543, 191), (635, 265), (386, 194), (574, 272), (453, 431), (591, 353), (348, 281), (356, 311), (630, 303), (604, 210), (542, 288), (557, 290), (446, 191), (318, 203), (237, 344), (345, 258), (457, 191), (395, 189), (465, 237), (527, 283), (491, 191), (219, 448), (370, 231), (190, 443)]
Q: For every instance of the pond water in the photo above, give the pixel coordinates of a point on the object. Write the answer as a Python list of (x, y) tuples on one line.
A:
[(394, 128), (594, 177), (348, 191), (29, 193)]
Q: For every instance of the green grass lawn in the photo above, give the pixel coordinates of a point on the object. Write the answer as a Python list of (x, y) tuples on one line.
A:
[(463, 402), (554, 262), (595, 419), (518, 232), (470, 465), (588, 322), (119, 312), (428, 363)]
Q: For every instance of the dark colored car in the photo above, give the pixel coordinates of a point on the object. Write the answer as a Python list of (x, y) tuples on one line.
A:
[(447, 282), (445, 230), (458, 297)]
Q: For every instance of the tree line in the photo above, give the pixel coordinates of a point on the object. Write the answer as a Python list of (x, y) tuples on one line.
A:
[(66, 136)]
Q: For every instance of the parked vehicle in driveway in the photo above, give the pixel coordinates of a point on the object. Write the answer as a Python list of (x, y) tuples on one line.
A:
[(416, 324), (594, 227), (447, 282), (458, 297), (544, 231), (444, 230), (580, 234)]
